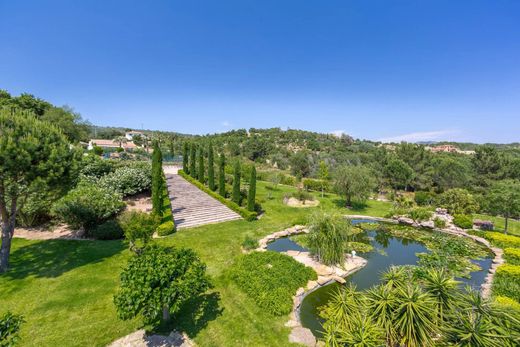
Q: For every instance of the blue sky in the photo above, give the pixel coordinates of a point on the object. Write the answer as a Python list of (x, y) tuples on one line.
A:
[(393, 70)]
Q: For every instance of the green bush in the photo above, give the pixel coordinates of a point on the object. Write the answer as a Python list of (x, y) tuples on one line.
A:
[(302, 195), (94, 166), (88, 205), (250, 243), (288, 180), (110, 230), (439, 223), (463, 221), (502, 240), (9, 327), (316, 185), (128, 180), (247, 215), (271, 279), (420, 214), (138, 228), (424, 198), (166, 228), (507, 282), (512, 255)]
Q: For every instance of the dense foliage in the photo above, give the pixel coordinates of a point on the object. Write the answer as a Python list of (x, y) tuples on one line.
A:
[(159, 281), (129, 180), (271, 279), (9, 327)]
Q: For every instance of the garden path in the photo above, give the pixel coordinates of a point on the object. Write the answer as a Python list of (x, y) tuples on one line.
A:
[(191, 206)]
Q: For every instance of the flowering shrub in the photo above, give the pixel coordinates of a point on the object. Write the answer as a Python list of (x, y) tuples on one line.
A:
[(88, 205), (128, 180)]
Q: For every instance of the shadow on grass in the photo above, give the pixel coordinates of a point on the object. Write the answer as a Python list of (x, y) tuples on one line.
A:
[(194, 315), (52, 258)]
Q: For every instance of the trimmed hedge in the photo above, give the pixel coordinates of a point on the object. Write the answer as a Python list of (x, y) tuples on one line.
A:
[(507, 282), (167, 223), (502, 240), (463, 221), (247, 215), (271, 279)]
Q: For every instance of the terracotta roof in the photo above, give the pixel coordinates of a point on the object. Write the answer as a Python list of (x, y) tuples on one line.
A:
[(112, 144)]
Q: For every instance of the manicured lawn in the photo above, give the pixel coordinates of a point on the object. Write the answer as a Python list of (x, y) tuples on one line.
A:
[(65, 288), (513, 227)]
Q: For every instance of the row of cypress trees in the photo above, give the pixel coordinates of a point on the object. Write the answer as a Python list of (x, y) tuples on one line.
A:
[(193, 164)]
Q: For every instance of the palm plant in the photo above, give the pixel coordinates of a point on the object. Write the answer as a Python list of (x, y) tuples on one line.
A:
[(472, 329), (381, 302), (342, 306), (441, 285), (414, 317), (395, 276), (363, 332)]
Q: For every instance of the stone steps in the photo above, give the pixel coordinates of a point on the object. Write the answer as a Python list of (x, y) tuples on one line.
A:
[(192, 207)]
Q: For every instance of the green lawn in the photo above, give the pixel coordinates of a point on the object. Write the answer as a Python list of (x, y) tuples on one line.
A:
[(513, 225), (64, 288)]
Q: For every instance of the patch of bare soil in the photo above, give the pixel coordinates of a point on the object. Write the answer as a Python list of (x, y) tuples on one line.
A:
[(293, 202), (140, 202), (61, 231)]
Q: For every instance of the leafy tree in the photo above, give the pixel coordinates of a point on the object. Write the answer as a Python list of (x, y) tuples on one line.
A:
[(120, 140), (323, 174), (356, 183), (459, 201), (504, 200), (487, 162), (398, 173), (201, 170), (185, 158), (300, 164), (193, 159), (449, 173), (211, 168), (32, 153), (158, 282), (236, 197), (222, 175), (252, 191), (9, 327), (70, 122)]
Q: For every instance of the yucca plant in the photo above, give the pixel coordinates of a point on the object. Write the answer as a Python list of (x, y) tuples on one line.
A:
[(363, 332), (381, 302), (395, 276), (441, 285)]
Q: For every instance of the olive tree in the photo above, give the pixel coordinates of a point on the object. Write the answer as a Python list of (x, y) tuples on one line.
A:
[(356, 183), (32, 153), (158, 281), (504, 200)]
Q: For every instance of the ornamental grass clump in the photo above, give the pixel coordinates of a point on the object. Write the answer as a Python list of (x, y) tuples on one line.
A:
[(328, 237)]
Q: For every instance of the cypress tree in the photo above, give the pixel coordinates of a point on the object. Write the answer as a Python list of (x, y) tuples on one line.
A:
[(201, 165), (185, 155), (235, 197), (211, 169), (222, 176), (157, 180), (251, 195), (193, 158)]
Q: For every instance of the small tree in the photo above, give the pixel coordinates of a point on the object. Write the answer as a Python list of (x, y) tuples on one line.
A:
[(252, 190), (185, 157), (235, 197), (323, 174), (32, 153), (211, 168), (138, 228), (355, 183), (459, 201), (158, 282), (193, 159), (201, 170), (222, 176), (504, 200)]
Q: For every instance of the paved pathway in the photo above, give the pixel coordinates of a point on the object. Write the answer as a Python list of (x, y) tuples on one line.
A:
[(193, 207)]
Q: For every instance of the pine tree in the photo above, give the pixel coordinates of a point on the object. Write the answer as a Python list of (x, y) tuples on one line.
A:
[(251, 195), (235, 197), (185, 155), (193, 158), (222, 176), (211, 169), (157, 180), (201, 165)]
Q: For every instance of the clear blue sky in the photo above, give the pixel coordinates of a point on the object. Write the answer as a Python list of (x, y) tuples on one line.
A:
[(413, 70)]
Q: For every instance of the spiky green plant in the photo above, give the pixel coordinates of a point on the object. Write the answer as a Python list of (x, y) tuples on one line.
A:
[(441, 285), (381, 302), (394, 276)]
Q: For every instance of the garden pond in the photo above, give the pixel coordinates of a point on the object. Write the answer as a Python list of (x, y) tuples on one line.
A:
[(388, 250)]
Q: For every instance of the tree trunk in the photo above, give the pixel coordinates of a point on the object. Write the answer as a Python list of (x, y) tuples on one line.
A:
[(166, 313), (5, 249)]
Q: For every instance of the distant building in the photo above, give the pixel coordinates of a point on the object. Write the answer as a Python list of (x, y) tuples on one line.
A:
[(448, 149), (130, 134), (111, 144)]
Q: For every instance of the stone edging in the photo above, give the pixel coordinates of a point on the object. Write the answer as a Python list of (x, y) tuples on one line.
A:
[(326, 275), (485, 289)]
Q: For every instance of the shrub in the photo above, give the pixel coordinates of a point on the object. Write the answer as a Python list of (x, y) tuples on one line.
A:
[(250, 243), (9, 327), (128, 180), (288, 180), (302, 195), (439, 223), (271, 279), (316, 185), (94, 166), (110, 230), (503, 240), (420, 214), (328, 236), (512, 255), (138, 228), (424, 198), (507, 282), (463, 221), (166, 228), (508, 303), (459, 201), (88, 205)]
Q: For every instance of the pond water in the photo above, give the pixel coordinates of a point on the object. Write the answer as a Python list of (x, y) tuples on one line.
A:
[(388, 251)]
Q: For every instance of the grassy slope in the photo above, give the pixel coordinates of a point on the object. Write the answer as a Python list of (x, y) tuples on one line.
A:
[(64, 288), (513, 225)]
